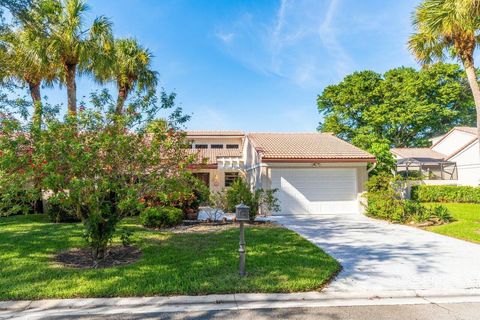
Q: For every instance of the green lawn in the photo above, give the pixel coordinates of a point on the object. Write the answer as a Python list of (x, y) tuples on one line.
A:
[(278, 260), (467, 224)]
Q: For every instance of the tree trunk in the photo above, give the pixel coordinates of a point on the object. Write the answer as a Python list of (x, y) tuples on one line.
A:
[(70, 73), (122, 96), (34, 88), (472, 80)]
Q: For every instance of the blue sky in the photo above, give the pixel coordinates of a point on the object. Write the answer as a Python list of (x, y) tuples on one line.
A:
[(259, 65)]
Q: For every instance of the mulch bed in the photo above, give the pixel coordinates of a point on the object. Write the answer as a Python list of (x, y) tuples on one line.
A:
[(82, 258), (195, 226)]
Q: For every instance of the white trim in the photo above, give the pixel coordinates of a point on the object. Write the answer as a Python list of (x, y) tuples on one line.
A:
[(258, 165)]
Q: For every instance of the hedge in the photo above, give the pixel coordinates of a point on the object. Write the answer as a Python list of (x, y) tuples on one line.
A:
[(161, 217), (465, 194)]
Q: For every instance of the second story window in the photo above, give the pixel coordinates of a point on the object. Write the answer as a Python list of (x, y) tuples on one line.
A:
[(216, 146), (201, 146), (232, 146)]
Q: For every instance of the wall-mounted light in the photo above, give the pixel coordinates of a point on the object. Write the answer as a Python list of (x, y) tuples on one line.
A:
[(215, 180), (316, 165)]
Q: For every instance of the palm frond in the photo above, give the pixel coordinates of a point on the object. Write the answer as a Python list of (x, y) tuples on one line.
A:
[(443, 26)]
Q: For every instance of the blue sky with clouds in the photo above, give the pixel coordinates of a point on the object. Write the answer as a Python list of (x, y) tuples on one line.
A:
[(259, 65)]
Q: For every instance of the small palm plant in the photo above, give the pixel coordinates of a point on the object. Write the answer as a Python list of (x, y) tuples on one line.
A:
[(448, 28)]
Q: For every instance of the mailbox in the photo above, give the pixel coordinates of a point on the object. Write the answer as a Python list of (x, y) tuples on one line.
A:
[(242, 212)]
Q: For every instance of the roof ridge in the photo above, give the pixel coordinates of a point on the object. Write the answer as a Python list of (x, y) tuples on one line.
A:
[(289, 132)]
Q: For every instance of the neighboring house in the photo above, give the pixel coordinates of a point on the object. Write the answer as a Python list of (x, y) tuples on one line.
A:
[(315, 173), (453, 158)]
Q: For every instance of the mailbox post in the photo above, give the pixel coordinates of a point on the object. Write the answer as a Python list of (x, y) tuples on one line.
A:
[(242, 214)]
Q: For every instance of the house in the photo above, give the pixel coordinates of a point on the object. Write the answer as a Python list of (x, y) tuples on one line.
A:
[(315, 173), (453, 158)]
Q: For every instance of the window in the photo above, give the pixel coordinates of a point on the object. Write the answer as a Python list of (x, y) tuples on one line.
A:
[(216, 146), (201, 146), (232, 146), (230, 177)]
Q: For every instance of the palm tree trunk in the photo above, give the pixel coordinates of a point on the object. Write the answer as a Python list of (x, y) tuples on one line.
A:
[(34, 88), (122, 97), (473, 82), (70, 70)]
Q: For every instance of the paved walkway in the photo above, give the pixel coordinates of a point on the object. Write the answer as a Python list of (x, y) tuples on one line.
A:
[(376, 255)]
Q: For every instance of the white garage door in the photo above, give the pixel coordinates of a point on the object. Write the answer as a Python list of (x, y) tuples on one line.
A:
[(316, 191)]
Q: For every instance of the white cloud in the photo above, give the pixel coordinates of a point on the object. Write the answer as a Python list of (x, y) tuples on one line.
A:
[(299, 44), (225, 37), (342, 62)]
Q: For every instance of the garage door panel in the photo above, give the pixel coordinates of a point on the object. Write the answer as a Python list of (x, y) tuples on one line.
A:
[(316, 191)]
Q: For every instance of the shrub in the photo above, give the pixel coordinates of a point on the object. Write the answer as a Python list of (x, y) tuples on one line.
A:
[(185, 192), (16, 201), (161, 217), (17, 169), (415, 211), (107, 164), (385, 203), (126, 237), (466, 194), (269, 202), (216, 205), (386, 207), (59, 214), (441, 213), (240, 192), (59, 210), (198, 193)]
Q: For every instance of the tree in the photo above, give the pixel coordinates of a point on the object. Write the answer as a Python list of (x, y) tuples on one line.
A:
[(104, 169), (130, 69), (27, 63), (76, 47), (401, 108), (448, 28)]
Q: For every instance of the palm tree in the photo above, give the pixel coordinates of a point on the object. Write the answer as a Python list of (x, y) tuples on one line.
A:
[(448, 27), (76, 47), (129, 69), (28, 64)]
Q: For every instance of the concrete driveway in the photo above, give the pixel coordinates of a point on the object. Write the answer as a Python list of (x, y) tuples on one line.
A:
[(378, 256)]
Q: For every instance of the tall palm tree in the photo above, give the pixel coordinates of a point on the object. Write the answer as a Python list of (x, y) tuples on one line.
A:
[(75, 46), (448, 27), (28, 64), (130, 68)]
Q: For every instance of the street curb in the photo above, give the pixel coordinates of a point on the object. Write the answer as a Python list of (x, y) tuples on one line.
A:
[(38, 309)]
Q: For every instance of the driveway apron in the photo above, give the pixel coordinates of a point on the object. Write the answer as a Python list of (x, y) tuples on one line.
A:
[(379, 256)]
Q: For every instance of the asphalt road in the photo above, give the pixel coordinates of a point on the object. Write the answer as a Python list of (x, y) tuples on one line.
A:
[(453, 311)]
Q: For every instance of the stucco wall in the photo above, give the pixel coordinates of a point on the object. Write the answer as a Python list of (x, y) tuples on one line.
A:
[(252, 165), (468, 165), (452, 142)]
